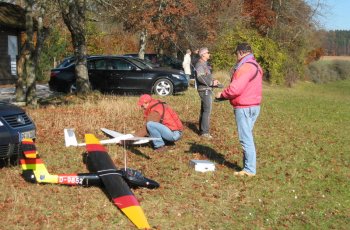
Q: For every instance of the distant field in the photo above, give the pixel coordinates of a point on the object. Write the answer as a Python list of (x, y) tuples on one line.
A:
[(333, 58), (303, 156)]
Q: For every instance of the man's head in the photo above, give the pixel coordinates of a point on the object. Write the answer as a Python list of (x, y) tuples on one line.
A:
[(144, 101), (243, 49), (204, 53), (188, 51)]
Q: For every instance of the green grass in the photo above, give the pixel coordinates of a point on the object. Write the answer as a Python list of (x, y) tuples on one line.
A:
[(302, 139)]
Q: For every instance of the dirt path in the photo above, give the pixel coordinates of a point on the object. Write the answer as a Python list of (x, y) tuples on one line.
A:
[(7, 92)]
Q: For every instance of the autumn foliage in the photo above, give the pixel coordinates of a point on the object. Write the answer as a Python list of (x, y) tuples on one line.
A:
[(284, 28), (260, 14)]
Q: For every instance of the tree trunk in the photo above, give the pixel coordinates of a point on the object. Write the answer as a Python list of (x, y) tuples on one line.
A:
[(20, 93), (143, 43), (31, 98), (73, 13), (41, 34)]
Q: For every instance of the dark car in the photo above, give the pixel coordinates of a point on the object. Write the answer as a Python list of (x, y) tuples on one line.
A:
[(15, 125), (148, 57), (119, 74), (145, 61)]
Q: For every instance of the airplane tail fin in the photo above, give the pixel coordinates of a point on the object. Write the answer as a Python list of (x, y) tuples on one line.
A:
[(70, 138)]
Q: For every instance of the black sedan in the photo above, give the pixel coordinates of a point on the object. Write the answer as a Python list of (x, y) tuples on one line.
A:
[(15, 125), (120, 74)]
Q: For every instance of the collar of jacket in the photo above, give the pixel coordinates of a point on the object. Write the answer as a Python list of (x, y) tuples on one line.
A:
[(244, 60)]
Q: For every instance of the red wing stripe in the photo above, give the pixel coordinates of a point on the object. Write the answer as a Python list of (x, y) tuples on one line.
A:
[(126, 201), (95, 147), (29, 151), (31, 161), (27, 142)]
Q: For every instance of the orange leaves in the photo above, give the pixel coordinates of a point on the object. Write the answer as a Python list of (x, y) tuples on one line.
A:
[(162, 19), (260, 13)]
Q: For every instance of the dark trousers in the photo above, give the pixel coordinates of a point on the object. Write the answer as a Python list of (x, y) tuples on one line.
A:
[(206, 106)]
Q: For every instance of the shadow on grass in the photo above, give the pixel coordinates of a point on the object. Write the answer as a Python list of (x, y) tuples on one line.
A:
[(192, 126), (137, 152), (213, 155)]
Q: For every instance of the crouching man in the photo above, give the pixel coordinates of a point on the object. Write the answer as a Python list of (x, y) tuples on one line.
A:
[(161, 122)]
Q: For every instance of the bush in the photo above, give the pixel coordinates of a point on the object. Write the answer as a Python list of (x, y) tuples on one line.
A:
[(271, 58), (326, 71), (55, 48)]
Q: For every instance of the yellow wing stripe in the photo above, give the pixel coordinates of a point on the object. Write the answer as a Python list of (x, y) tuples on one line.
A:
[(137, 216)]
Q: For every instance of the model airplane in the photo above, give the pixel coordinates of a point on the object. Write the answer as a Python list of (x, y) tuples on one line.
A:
[(117, 138), (103, 173)]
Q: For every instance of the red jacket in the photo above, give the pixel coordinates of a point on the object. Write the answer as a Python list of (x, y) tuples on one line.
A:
[(245, 89), (167, 116)]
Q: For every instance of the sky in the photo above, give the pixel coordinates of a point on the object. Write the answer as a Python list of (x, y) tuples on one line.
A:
[(336, 16)]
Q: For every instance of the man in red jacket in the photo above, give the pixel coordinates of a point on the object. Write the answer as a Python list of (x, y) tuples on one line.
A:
[(245, 94), (161, 122)]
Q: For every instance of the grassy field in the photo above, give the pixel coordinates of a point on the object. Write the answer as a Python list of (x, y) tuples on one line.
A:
[(303, 143), (333, 58)]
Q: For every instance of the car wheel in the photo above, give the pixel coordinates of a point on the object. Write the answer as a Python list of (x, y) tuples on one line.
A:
[(163, 87), (72, 88)]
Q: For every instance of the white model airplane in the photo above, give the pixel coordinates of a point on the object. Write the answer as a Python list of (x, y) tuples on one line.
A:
[(117, 138)]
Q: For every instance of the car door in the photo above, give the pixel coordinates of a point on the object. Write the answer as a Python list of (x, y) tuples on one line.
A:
[(127, 76), (99, 74)]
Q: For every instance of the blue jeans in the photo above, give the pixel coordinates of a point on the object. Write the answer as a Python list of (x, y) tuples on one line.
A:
[(245, 119), (156, 129)]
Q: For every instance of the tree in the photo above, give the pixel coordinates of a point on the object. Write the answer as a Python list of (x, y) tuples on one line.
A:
[(159, 21), (29, 57), (74, 16), (260, 13), (28, 61)]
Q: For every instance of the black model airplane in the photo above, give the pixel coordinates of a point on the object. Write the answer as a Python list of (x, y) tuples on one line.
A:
[(103, 172)]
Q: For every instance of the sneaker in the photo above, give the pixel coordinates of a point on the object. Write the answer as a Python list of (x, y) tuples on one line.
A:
[(207, 136), (243, 173)]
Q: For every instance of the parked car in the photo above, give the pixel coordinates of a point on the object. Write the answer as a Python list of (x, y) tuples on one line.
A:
[(148, 57), (145, 61), (169, 61), (119, 74), (15, 125)]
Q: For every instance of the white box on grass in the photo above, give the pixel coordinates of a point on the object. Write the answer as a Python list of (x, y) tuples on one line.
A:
[(202, 165)]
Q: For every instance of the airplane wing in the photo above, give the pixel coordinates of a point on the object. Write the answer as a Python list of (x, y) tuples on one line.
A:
[(100, 162), (127, 137), (118, 138), (111, 133)]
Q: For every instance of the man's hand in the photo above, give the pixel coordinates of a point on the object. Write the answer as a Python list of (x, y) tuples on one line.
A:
[(218, 95), (215, 82)]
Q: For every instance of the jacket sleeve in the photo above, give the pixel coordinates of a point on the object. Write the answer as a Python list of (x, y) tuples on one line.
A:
[(239, 81), (153, 116)]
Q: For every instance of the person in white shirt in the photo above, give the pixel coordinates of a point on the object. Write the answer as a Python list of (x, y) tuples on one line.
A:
[(186, 64)]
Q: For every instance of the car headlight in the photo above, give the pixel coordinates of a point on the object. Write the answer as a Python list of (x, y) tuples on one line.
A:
[(178, 76), (1, 124)]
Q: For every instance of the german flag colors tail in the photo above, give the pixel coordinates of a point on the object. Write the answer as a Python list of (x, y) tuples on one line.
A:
[(99, 161), (34, 170)]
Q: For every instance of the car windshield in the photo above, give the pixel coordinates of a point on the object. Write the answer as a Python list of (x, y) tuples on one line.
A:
[(66, 62), (140, 63)]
